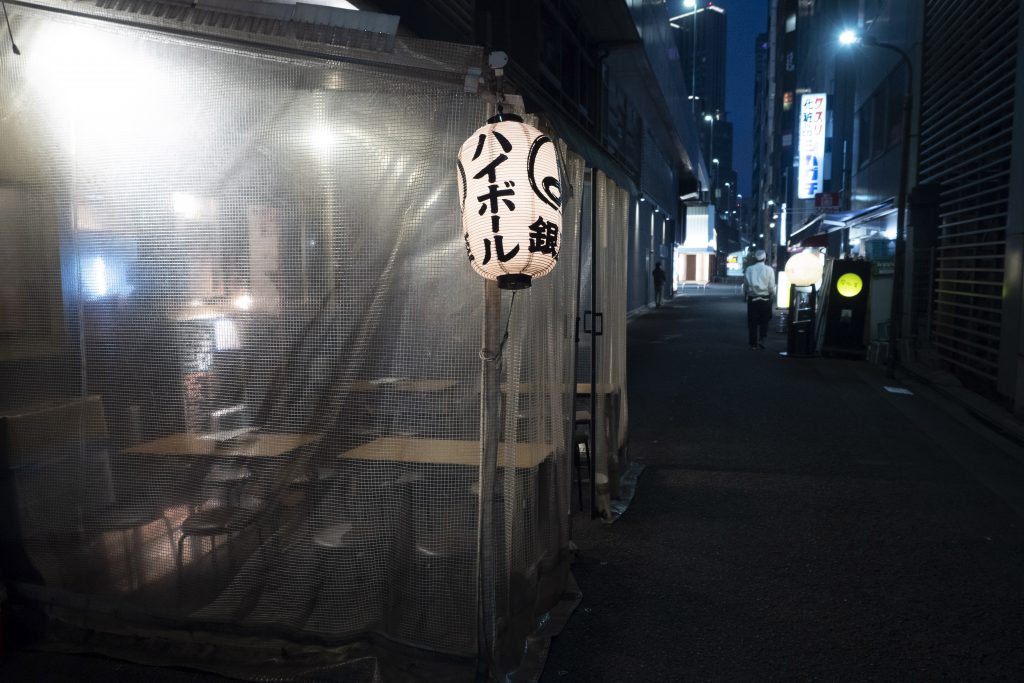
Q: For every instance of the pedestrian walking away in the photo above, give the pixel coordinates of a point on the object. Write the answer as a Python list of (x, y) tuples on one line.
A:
[(659, 283), (759, 288)]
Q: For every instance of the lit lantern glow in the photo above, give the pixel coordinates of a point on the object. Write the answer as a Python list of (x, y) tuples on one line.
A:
[(804, 269), (511, 199), (849, 285)]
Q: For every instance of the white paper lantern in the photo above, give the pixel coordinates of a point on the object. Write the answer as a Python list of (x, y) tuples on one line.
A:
[(804, 268), (511, 199)]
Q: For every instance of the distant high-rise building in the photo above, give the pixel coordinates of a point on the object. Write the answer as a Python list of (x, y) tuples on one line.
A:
[(701, 41), (704, 61)]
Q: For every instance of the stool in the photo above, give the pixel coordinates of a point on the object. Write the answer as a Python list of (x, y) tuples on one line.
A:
[(129, 518), (582, 441), (220, 520), (344, 543), (232, 511)]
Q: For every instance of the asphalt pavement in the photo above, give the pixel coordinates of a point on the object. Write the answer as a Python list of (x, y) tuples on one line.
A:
[(796, 520)]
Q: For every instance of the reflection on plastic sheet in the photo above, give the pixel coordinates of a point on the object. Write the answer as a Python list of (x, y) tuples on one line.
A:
[(224, 258)]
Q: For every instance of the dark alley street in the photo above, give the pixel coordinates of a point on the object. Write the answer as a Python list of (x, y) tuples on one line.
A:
[(795, 521)]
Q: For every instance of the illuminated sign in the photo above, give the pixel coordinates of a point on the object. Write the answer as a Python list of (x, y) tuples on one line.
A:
[(782, 225), (811, 147), (849, 285), (782, 291), (734, 264)]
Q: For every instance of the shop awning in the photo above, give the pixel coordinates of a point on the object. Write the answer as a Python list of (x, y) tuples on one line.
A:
[(812, 228), (817, 227), (850, 219)]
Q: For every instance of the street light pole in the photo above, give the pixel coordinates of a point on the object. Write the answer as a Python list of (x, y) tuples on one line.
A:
[(692, 4), (708, 118), (896, 321)]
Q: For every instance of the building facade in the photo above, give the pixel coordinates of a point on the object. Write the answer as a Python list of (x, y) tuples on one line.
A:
[(957, 73), (701, 42)]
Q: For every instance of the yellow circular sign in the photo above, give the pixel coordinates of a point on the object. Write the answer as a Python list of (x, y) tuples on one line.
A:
[(849, 284)]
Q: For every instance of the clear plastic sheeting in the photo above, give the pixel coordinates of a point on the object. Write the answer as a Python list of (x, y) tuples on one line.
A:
[(601, 361), (611, 416), (240, 358)]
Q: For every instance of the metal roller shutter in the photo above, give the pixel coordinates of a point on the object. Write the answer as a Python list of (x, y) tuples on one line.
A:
[(965, 147)]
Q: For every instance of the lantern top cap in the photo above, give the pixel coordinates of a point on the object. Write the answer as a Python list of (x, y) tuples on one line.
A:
[(502, 116)]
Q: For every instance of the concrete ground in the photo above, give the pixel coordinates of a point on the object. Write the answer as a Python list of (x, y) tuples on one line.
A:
[(796, 521)]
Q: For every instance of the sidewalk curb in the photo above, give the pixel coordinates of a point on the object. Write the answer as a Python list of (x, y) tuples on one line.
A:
[(992, 415)]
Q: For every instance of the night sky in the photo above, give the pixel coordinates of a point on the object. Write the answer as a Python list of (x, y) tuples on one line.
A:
[(746, 18)]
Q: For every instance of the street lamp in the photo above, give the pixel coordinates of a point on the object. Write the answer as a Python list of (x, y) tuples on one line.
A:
[(848, 37), (709, 119), (896, 321)]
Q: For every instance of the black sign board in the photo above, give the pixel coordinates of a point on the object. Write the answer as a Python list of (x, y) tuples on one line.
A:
[(846, 316)]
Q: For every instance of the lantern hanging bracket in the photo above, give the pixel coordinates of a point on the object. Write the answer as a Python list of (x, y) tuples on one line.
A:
[(497, 60)]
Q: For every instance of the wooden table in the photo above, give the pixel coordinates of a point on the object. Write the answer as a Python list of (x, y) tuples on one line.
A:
[(584, 389), (444, 452), (262, 445)]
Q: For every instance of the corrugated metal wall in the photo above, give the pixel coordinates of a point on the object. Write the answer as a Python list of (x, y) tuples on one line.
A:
[(967, 102)]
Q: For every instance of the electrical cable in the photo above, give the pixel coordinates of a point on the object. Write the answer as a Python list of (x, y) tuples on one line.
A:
[(14, 45)]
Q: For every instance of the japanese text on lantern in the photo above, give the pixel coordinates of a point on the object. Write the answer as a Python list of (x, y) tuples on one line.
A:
[(510, 196), (498, 199)]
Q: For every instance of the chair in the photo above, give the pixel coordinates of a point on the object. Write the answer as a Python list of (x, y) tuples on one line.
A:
[(232, 511), (58, 458), (129, 518), (346, 543)]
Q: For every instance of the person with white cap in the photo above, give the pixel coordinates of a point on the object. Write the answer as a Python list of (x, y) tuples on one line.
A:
[(759, 287)]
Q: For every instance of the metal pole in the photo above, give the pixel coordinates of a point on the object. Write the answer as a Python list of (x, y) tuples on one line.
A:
[(896, 318), (579, 289), (896, 324), (711, 153), (693, 65), (490, 426), (594, 422)]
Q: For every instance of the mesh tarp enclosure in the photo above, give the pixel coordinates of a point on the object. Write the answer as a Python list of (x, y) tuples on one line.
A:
[(240, 358), (601, 361)]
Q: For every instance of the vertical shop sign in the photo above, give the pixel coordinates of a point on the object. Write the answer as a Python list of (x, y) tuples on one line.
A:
[(811, 145)]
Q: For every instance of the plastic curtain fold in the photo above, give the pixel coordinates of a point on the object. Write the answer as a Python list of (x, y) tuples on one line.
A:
[(239, 353), (604, 265)]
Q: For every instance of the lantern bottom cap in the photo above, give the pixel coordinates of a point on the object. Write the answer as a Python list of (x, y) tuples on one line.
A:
[(515, 281)]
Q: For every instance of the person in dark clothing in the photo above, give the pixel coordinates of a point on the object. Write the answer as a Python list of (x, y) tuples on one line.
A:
[(659, 283), (759, 287)]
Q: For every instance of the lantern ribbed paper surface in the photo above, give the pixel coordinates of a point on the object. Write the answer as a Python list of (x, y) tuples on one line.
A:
[(804, 268), (510, 194)]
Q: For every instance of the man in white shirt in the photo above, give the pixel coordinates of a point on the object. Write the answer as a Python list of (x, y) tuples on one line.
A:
[(759, 286)]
